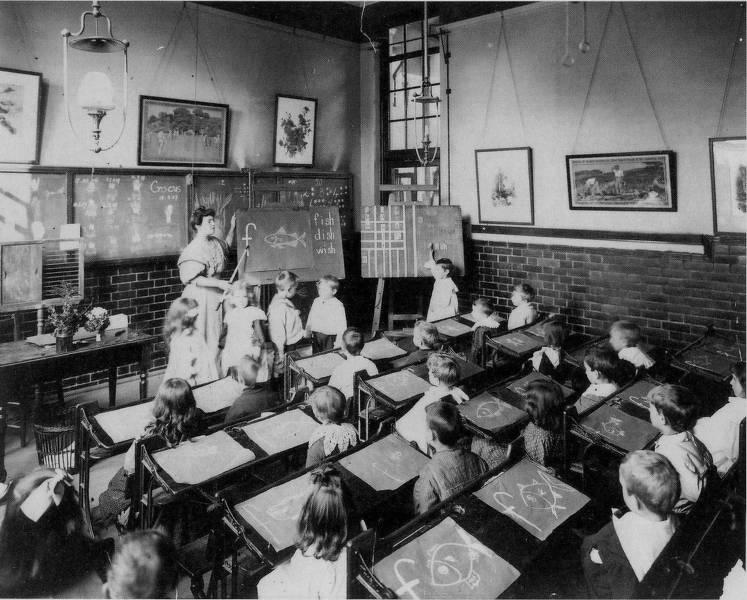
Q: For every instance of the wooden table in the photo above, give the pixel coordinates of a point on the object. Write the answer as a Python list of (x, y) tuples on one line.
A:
[(23, 363)]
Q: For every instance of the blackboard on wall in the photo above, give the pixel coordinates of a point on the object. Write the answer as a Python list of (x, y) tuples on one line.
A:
[(225, 193), (33, 205), (307, 242), (130, 215), (395, 239)]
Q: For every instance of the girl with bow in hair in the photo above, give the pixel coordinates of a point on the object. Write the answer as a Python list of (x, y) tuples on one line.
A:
[(189, 358)]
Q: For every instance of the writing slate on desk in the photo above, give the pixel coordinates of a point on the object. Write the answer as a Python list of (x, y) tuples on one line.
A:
[(33, 205), (281, 432), (636, 394), (445, 562), (307, 242), (130, 215), (320, 366), (451, 328), (226, 194), (491, 414), (400, 386), (515, 392), (518, 343), (620, 429), (395, 239)]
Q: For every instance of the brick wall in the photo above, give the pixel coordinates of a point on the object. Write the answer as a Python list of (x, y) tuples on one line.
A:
[(670, 295)]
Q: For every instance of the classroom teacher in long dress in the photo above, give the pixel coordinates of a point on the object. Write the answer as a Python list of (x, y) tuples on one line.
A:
[(200, 266)]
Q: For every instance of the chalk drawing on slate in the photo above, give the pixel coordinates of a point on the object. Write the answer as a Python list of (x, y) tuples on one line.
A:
[(451, 328), (400, 386), (490, 413), (320, 366), (281, 432), (619, 428)]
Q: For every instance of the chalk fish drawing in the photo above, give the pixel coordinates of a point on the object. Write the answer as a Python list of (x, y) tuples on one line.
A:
[(282, 239), (490, 409), (449, 564), (613, 427)]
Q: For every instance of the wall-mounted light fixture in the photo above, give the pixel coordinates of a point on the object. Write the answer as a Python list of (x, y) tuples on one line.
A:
[(95, 92)]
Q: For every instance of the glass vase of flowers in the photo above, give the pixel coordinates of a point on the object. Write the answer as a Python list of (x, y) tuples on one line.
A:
[(65, 322), (97, 319)]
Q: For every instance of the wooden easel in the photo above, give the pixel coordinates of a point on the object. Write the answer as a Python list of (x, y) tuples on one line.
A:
[(392, 317)]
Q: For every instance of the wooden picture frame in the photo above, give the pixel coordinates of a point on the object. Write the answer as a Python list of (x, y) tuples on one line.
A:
[(728, 157), (20, 135), (294, 141), (195, 138), (505, 193), (625, 181)]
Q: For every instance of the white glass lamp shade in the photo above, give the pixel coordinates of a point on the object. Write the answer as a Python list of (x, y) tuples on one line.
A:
[(96, 92)]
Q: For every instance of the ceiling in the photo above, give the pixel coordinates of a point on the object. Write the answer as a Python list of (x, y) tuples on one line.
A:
[(343, 19)]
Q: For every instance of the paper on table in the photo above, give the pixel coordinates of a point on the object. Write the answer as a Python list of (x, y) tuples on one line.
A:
[(47, 339), (196, 461), (217, 395), (381, 349), (125, 423), (281, 432)]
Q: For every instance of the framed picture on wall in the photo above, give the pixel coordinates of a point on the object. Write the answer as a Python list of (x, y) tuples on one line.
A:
[(632, 181), (295, 131), (182, 133), (729, 184), (504, 186), (20, 92)]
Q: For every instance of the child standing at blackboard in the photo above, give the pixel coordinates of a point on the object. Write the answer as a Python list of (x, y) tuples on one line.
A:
[(189, 358), (284, 319), (244, 323), (444, 302), (327, 320)]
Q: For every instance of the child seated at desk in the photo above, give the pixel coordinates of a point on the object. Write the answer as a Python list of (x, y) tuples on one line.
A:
[(543, 435), (244, 323), (444, 302), (318, 568), (343, 377), (189, 358), (602, 368), (443, 375), (332, 436), (624, 339), (620, 554), (483, 315), (255, 397), (425, 340), (452, 467), (327, 320), (673, 410), (284, 319), (720, 432), (176, 418), (548, 359), (145, 566), (525, 312)]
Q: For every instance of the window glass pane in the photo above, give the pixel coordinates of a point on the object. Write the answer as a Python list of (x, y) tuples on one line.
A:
[(403, 175), (415, 45), (396, 74), (414, 71), (397, 135), (396, 34), (397, 105), (435, 66), (396, 49), (414, 133), (414, 30), (433, 40)]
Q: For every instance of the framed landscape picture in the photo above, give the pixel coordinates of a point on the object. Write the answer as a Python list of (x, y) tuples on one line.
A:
[(182, 133), (633, 181), (295, 131), (729, 184), (504, 186), (19, 116)]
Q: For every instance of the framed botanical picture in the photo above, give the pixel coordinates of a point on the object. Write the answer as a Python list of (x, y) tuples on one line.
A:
[(504, 186), (20, 93), (633, 181), (182, 133), (729, 184), (295, 131)]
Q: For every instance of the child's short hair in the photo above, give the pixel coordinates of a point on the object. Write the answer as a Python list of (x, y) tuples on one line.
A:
[(446, 265), (145, 566), (249, 286), (604, 360), (526, 291), (738, 370), (428, 333), (352, 340), (677, 404), (554, 333), (483, 304), (443, 369), (544, 403), (629, 331), (652, 479), (332, 281), (285, 280), (443, 420), (323, 522), (247, 369), (328, 403)]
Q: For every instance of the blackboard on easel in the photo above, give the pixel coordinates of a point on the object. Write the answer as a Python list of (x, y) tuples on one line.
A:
[(307, 242)]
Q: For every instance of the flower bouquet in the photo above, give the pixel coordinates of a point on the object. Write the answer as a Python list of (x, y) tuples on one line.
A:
[(97, 319), (66, 322)]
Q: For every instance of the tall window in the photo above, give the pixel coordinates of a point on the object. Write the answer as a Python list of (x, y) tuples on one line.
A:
[(401, 79)]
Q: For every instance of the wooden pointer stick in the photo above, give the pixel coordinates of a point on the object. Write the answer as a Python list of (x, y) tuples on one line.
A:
[(243, 256)]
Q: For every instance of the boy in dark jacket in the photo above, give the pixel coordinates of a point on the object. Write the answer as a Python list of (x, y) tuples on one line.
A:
[(620, 554), (255, 397)]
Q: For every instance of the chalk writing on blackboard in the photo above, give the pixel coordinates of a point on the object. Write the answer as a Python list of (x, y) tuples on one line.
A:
[(33, 206)]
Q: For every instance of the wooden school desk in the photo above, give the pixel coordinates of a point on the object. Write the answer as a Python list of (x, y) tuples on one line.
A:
[(517, 344), (27, 363), (711, 355)]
